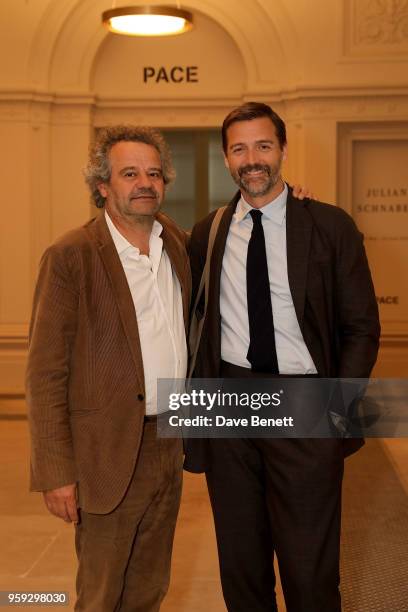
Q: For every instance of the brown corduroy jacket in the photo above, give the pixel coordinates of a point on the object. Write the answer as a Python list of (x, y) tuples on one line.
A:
[(85, 380)]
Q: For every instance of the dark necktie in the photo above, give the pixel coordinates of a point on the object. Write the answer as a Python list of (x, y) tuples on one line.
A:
[(262, 349)]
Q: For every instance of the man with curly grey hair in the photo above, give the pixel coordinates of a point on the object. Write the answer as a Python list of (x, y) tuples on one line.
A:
[(109, 319)]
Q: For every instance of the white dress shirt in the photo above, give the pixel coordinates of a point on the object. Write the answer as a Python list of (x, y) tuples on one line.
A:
[(156, 295), (293, 355)]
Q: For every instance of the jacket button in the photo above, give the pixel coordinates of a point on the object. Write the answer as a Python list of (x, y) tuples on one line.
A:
[(140, 397)]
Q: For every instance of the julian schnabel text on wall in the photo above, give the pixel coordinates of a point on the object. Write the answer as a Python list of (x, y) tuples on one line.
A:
[(282, 407)]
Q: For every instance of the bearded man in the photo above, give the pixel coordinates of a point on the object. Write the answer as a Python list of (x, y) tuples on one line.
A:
[(290, 295)]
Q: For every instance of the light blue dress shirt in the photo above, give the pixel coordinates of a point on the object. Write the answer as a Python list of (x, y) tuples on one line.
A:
[(293, 355)]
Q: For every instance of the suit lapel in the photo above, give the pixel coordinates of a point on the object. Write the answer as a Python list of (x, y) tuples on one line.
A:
[(174, 249), (121, 291), (298, 238)]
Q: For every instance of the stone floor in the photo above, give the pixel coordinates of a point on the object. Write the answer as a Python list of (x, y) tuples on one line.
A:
[(36, 551)]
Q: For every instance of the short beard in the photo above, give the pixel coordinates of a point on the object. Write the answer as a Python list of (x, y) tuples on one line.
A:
[(272, 177)]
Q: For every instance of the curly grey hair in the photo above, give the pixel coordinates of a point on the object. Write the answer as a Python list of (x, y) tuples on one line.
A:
[(98, 169)]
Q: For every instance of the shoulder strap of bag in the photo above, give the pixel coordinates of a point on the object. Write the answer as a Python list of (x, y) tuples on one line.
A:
[(195, 334)]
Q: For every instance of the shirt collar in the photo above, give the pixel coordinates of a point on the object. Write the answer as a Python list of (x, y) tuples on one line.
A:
[(274, 210), (121, 243)]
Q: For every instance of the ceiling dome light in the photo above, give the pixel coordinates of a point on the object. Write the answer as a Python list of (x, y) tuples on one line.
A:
[(147, 21)]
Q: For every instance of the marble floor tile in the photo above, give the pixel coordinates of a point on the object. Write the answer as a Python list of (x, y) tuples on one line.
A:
[(37, 551)]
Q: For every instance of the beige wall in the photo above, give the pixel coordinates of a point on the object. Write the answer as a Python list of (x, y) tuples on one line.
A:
[(336, 71)]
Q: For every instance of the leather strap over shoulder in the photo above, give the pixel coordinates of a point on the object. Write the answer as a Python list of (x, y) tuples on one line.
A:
[(196, 326)]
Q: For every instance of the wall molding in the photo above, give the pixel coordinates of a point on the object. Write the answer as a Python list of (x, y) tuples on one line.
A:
[(74, 96), (375, 30), (349, 104), (389, 340), (14, 336), (13, 358)]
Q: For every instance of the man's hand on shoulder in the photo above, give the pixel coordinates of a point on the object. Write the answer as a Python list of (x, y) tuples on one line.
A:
[(300, 192), (63, 502)]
